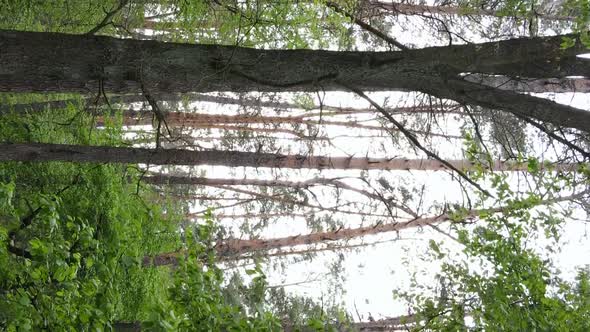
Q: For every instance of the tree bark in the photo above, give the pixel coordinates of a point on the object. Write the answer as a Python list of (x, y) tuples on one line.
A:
[(126, 326), (531, 85), (240, 122), (522, 85), (400, 323), (236, 247), (32, 61), (396, 8), (38, 152)]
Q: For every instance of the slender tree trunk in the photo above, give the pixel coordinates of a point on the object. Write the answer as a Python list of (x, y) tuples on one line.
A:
[(306, 251), (522, 85), (250, 103), (239, 122), (237, 247), (258, 216), (294, 202), (37, 152), (32, 61), (400, 323), (397, 8)]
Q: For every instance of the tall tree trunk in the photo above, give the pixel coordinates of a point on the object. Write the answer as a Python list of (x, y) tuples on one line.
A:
[(305, 251), (37, 152), (400, 323), (523, 85), (239, 122), (32, 61), (398, 8), (236, 247), (304, 203), (167, 179)]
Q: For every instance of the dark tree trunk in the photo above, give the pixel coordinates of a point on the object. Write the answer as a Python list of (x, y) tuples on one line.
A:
[(36, 152), (126, 326), (32, 61)]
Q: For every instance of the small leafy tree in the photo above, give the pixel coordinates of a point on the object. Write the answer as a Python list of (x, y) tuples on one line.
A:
[(504, 283)]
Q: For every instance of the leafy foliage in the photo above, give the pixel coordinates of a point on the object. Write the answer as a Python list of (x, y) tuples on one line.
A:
[(73, 238), (503, 283)]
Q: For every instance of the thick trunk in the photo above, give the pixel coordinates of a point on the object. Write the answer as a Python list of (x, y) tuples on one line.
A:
[(37, 152), (519, 104), (31, 61)]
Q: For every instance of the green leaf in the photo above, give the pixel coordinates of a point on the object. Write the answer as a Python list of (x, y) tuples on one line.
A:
[(24, 300), (567, 42)]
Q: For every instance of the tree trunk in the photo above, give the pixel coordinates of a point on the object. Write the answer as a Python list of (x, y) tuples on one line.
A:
[(237, 247), (33, 61), (543, 85), (400, 323), (522, 85), (126, 326), (304, 203), (415, 9), (58, 104), (239, 122), (306, 251), (37, 152)]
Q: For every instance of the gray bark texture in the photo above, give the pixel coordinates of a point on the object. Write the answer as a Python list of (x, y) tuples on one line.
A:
[(36, 152), (33, 61)]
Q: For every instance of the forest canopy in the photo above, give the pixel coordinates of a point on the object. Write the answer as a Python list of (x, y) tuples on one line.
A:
[(351, 165)]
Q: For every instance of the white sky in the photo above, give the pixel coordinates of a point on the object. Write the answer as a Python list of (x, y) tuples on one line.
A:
[(373, 272)]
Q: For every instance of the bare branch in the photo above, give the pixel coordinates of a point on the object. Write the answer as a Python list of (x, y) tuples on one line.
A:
[(108, 18), (390, 40), (414, 140)]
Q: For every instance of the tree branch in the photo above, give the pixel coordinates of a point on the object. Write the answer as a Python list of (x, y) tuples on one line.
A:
[(108, 18), (414, 140), (560, 139), (390, 40)]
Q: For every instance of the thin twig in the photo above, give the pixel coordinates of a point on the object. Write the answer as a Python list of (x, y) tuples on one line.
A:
[(388, 39), (413, 138), (560, 139)]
